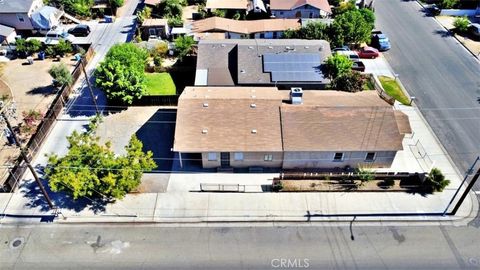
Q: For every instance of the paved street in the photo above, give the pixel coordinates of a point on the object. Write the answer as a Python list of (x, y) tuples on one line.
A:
[(439, 72), (323, 247)]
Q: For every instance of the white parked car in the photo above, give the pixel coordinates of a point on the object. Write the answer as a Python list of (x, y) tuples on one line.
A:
[(52, 37)]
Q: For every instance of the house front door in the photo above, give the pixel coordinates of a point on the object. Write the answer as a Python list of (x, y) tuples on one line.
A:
[(225, 159)]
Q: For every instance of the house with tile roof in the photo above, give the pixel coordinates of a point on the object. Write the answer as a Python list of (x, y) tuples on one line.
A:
[(283, 63), (300, 8), (243, 127), (236, 29)]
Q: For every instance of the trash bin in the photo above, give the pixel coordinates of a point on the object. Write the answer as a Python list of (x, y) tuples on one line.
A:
[(78, 57), (30, 60), (41, 55), (108, 19)]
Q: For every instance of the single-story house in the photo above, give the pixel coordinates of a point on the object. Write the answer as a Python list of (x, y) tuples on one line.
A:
[(300, 8), (157, 28), (7, 34), (262, 62), (236, 29), (212, 5), (46, 18), (17, 13), (244, 127)]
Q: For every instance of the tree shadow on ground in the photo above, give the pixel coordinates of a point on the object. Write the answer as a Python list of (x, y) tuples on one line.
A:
[(62, 200), (443, 33), (43, 90)]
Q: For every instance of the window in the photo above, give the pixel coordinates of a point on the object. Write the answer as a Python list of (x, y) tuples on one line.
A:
[(281, 12), (370, 156), (268, 157), (20, 18), (338, 157), (212, 156), (238, 156)]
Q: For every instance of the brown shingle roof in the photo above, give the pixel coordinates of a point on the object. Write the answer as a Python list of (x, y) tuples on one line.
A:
[(216, 24), (326, 121), (292, 4), (228, 120)]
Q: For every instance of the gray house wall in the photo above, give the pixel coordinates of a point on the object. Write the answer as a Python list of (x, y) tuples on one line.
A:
[(294, 160), (11, 19), (250, 159), (305, 12)]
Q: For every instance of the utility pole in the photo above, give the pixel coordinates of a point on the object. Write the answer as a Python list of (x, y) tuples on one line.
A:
[(465, 193), (27, 161), (89, 85)]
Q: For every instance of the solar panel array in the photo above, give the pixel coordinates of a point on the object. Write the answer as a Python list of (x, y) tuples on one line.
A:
[(293, 67)]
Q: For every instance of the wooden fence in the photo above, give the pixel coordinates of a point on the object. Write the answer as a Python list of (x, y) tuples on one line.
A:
[(37, 139)]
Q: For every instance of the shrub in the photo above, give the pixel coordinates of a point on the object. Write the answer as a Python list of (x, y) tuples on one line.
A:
[(116, 3), (175, 21), (449, 3), (435, 181), (184, 46), (76, 7), (236, 16), (171, 8), (63, 47), (157, 60), (143, 14), (26, 48), (277, 186), (60, 74), (461, 24), (365, 175), (30, 121), (220, 13), (161, 49), (352, 81)]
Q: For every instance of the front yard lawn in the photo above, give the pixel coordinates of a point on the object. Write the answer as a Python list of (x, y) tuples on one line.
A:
[(393, 89), (160, 84)]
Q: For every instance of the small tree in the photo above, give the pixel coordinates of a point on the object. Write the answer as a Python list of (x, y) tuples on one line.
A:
[(365, 175), (336, 65), (60, 74), (27, 47), (345, 6), (92, 169), (171, 8), (351, 27), (435, 181), (184, 46), (220, 13), (176, 21), (351, 81), (461, 24), (143, 14), (116, 3)]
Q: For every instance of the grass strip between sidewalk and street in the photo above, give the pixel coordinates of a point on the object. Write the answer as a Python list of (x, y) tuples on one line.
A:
[(393, 89)]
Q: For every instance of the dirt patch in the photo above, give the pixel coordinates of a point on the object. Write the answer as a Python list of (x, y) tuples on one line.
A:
[(334, 185)]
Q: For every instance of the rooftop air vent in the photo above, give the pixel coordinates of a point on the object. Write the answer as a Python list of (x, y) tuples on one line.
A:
[(242, 71), (296, 95), (306, 47), (204, 131), (253, 96), (223, 45), (270, 47), (254, 131), (205, 105), (253, 105), (250, 47)]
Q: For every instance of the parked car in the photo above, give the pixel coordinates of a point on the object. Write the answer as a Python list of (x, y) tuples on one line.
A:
[(474, 30), (358, 66), (350, 54), (368, 52), (380, 41), (81, 30), (341, 49), (433, 10)]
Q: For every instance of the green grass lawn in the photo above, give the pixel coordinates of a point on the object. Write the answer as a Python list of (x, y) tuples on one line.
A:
[(393, 89), (160, 84)]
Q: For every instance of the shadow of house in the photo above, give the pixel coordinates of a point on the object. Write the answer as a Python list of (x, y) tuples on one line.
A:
[(157, 136)]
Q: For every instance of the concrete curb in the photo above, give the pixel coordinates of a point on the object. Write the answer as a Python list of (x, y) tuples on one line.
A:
[(454, 35)]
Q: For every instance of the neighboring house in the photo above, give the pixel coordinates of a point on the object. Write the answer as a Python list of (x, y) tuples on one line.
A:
[(244, 127), (262, 62), (155, 28), (236, 29), (7, 34), (46, 18), (17, 13), (300, 8), (152, 3), (240, 5)]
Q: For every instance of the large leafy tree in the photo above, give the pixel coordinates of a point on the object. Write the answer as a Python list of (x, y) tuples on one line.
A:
[(92, 169), (336, 65), (75, 7), (351, 27), (172, 8), (122, 74)]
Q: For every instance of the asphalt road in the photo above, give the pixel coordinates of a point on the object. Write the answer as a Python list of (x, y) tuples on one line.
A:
[(138, 247), (439, 72)]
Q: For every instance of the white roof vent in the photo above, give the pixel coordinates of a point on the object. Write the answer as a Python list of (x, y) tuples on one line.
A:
[(205, 105), (253, 105), (242, 71), (306, 47), (253, 96), (250, 47), (270, 47), (254, 131), (204, 131), (296, 95), (223, 45)]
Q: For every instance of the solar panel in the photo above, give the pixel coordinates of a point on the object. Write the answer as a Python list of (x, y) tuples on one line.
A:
[(284, 67)]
